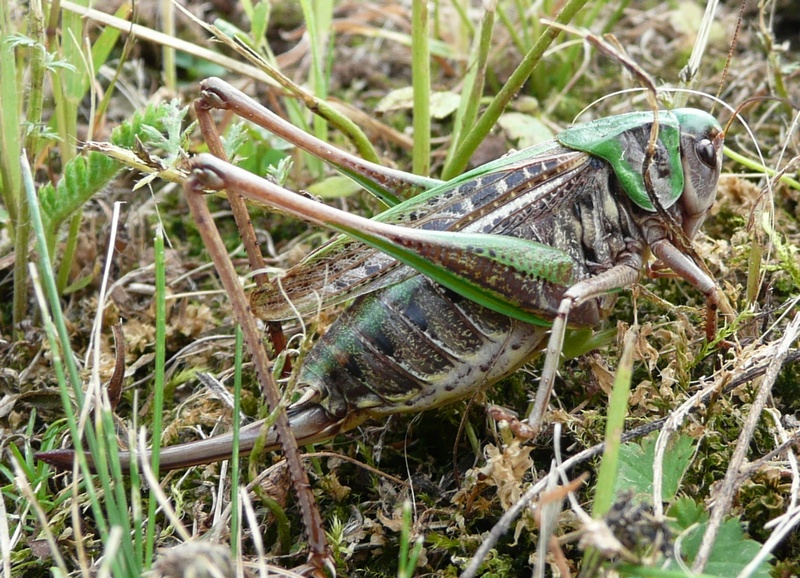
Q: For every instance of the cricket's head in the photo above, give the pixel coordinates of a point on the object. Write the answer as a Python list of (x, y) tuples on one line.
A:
[(701, 156)]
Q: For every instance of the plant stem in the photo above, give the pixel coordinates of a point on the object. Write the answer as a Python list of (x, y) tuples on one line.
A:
[(421, 80), (509, 90)]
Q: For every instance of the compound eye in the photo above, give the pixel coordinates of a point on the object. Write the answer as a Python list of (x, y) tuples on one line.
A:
[(706, 152)]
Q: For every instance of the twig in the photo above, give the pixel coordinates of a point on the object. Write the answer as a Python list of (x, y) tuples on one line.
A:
[(732, 478), (230, 64), (697, 402)]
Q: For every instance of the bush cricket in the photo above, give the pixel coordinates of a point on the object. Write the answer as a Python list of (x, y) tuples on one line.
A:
[(536, 239)]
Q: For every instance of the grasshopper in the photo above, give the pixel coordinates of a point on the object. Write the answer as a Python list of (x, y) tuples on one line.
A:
[(459, 286)]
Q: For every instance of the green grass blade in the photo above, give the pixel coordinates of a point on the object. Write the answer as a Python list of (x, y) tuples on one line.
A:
[(318, 16), (609, 466), (158, 384), (473, 83), (421, 80), (58, 337), (317, 105), (101, 49), (33, 120), (235, 471), (68, 90), (167, 10), (112, 510), (509, 90), (617, 410), (10, 120), (758, 167)]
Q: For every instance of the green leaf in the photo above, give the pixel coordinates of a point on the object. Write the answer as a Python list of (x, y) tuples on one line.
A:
[(687, 512), (443, 104), (525, 129), (259, 21), (85, 175), (636, 465), (334, 187), (398, 99), (581, 341), (732, 551)]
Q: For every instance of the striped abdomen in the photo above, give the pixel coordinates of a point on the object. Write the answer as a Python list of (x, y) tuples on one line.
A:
[(411, 347)]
